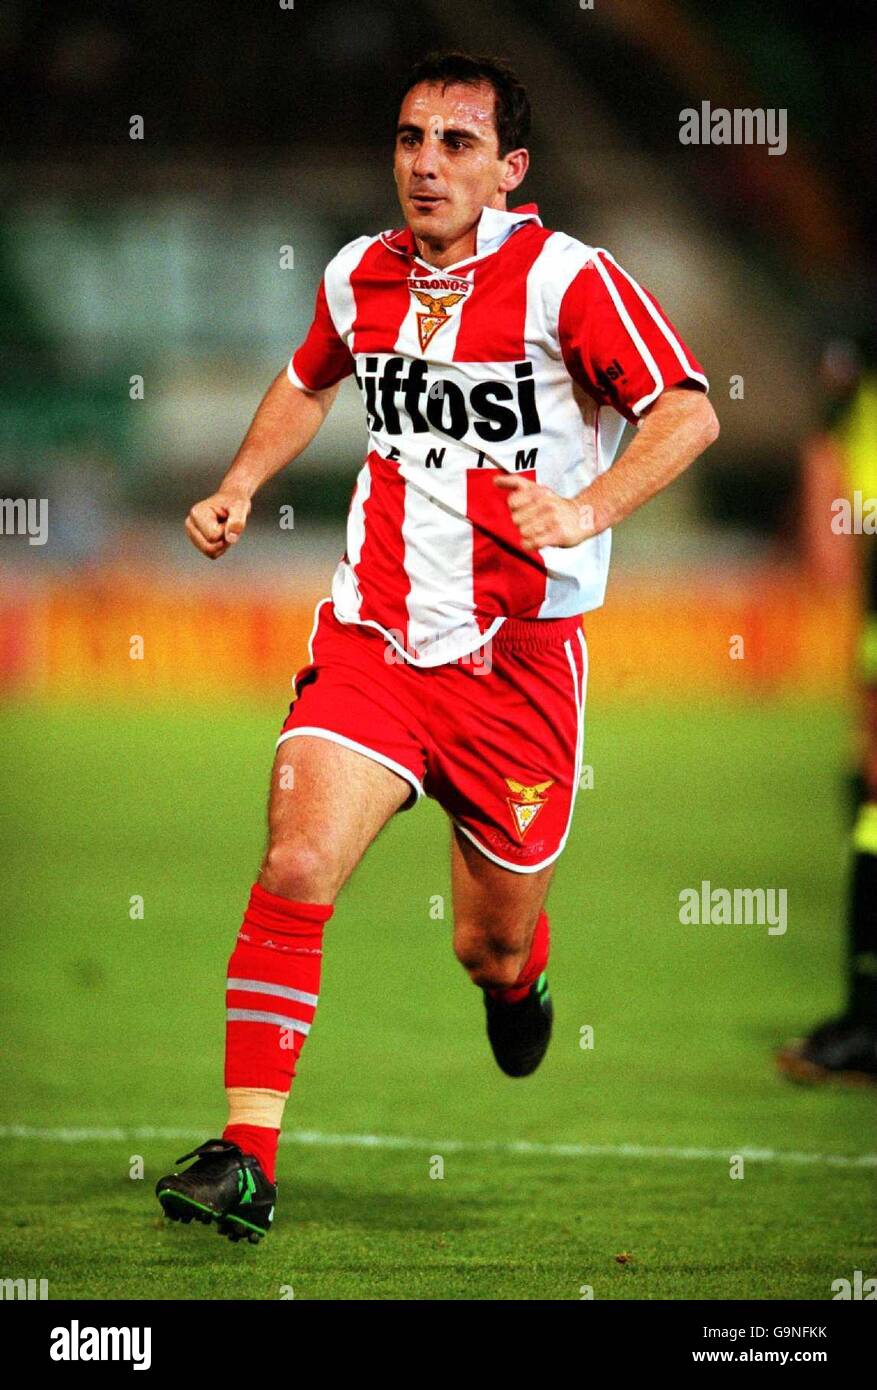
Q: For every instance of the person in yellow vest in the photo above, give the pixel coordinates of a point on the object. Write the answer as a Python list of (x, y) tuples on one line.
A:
[(839, 521)]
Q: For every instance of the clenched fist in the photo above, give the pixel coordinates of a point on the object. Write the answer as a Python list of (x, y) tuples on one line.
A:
[(543, 518), (217, 522)]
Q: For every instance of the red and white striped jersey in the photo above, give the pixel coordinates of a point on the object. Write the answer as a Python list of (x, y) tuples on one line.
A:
[(527, 357)]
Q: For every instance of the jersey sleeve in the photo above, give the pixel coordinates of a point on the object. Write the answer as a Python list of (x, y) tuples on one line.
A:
[(323, 358), (618, 343)]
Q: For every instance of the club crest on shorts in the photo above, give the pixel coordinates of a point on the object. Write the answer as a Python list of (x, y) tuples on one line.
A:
[(438, 294), (526, 803)]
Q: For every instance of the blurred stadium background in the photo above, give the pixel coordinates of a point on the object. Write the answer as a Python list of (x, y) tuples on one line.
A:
[(267, 128)]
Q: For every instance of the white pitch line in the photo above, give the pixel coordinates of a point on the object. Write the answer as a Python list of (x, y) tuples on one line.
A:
[(315, 1139)]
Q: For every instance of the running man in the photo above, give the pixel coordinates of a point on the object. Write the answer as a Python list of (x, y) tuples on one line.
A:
[(498, 362)]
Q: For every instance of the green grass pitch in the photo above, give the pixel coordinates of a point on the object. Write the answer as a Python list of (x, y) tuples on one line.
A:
[(117, 1024)]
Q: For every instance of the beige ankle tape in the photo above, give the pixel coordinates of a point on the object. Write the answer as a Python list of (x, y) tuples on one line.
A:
[(249, 1106)]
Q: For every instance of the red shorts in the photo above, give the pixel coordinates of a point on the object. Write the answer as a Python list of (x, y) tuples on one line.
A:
[(494, 737)]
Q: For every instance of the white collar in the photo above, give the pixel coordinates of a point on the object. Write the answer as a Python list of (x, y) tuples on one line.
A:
[(496, 225)]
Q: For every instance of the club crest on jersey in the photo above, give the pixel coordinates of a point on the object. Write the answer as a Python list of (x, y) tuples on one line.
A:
[(526, 803), (438, 294)]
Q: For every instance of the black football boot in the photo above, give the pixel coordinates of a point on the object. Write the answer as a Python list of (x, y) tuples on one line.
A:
[(224, 1185), (520, 1033), (842, 1050)]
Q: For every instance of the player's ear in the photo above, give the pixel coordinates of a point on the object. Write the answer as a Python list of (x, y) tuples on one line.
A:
[(517, 162)]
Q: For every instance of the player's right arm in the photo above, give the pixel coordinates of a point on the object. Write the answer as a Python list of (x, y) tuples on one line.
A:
[(293, 409), (283, 426)]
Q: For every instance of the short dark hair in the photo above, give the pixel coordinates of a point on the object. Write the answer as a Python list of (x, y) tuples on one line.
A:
[(512, 105)]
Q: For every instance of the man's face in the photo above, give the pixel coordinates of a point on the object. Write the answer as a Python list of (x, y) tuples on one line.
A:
[(447, 164)]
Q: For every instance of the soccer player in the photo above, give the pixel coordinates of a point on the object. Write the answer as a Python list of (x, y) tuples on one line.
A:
[(498, 362), (839, 461)]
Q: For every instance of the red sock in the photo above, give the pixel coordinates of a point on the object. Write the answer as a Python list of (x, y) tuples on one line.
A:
[(258, 1140), (536, 963), (271, 994)]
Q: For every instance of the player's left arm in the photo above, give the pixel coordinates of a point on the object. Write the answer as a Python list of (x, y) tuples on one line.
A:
[(671, 434)]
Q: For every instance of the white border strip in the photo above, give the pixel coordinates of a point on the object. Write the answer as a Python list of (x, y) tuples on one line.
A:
[(292, 1025), (635, 335), (294, 378), (673, 341), (400, 771), (523, 1147)]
